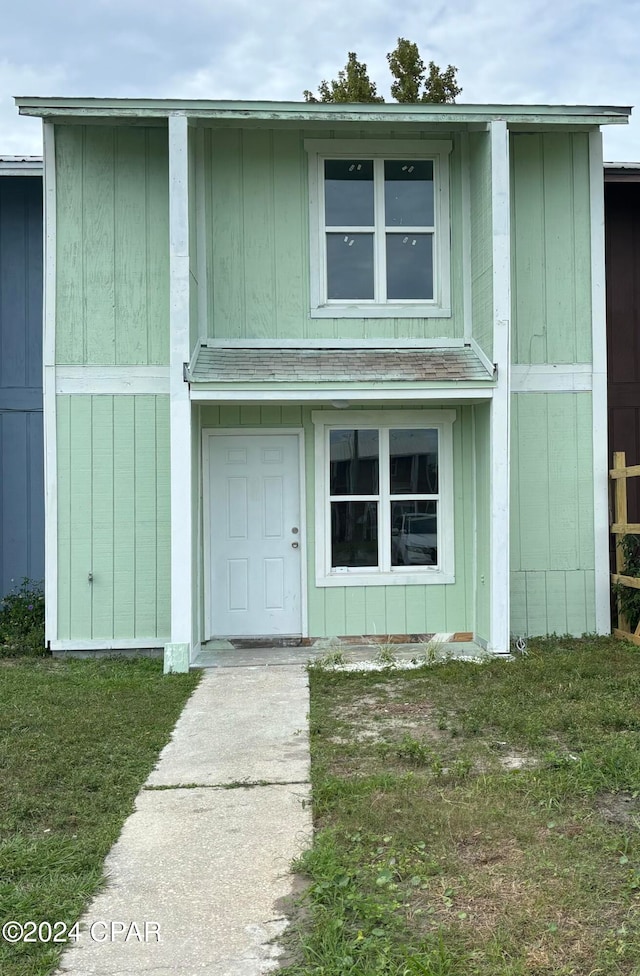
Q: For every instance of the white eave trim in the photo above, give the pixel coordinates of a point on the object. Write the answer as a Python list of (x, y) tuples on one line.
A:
[(369, 395)]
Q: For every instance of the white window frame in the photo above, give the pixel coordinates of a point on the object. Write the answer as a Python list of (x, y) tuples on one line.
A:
[(435, 151), (441, 420)]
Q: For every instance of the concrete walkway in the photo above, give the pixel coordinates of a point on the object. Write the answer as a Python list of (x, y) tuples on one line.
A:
[(202, 866)]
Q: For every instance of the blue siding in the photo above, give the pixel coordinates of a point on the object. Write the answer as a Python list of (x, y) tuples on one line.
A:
[(21, 450)]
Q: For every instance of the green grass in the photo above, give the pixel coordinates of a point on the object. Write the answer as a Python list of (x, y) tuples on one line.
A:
[(77, 740), (476, 819)]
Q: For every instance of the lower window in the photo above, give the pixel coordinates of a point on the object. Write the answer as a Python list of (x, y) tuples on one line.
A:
[(384, 511)]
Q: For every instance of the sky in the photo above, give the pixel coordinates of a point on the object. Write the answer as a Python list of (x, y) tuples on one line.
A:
[(506, 51)]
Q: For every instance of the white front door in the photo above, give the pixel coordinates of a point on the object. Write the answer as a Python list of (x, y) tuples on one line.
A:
[(255, 544)]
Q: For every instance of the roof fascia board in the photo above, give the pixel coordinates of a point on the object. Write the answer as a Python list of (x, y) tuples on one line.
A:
[(20, 166), (306, 112)]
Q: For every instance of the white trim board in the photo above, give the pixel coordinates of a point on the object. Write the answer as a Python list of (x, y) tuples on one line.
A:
[(551, 378), (112, 380), (499, 619), (437, 343), (182, 624), (372, 395), (49, 392), (108, 644), (599, 396)]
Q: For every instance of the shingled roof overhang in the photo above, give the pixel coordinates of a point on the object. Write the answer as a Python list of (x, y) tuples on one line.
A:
[(315, 371), (282, 113)]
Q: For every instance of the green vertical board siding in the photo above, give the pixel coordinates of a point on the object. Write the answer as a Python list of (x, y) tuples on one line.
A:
[(552, 603), (257, 216), (550, 234), (112, 232), (194, 196), (482, 446), (481, 241), (552, 544), (113, 517)]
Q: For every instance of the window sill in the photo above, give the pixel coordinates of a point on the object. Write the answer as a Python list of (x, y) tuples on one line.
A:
[(386, 579), (379, 312)]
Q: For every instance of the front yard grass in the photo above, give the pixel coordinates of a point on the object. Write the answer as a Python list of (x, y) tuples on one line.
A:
[(476, 819), (77, 740)]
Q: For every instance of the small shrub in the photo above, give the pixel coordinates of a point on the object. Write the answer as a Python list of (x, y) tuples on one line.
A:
[(22, 621), (629, 599)]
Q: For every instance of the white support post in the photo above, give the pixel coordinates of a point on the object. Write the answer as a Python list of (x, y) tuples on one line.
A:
[(499, 638), (599, 388), (177, 653), (49, 387)]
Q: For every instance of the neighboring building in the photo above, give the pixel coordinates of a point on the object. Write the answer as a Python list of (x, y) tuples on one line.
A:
[(622, 221), (21, 450), (320, 370)]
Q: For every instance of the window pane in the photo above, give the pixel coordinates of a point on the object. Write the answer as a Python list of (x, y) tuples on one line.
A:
[(354, 533), (414, 533), (413, 462), (348, 192), (408, 193), (353, 462), (410, 266), (350, 266)]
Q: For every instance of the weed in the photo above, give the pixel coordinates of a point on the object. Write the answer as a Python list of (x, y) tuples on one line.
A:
[(22, 621)]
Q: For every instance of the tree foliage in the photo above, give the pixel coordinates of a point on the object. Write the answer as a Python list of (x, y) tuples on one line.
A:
[(413, 80), (353, 85)]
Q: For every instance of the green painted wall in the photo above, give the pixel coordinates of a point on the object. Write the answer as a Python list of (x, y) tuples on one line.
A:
[(113, 517), (481, 226), (112, 228), (355, 610), (482, 446), (258, 229), (551, 261), (552, 543)]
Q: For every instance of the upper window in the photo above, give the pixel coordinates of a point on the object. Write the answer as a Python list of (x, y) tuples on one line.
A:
[(384, 508), (379, 228)]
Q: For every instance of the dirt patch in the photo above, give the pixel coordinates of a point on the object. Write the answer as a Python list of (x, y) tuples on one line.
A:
[(619, 808)]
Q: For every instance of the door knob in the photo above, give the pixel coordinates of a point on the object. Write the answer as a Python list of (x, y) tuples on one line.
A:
[(294, 545)]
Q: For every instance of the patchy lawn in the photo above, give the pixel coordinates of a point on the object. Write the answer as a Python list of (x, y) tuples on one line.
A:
[(77, 740), (477, 819)]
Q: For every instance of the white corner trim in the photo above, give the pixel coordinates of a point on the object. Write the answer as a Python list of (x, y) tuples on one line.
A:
[(112, 380), (599, 395), (182, 626), (551, 378), (48, 388), (500, 623)]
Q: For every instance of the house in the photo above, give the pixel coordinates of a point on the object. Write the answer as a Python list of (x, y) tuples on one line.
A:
[(21, 450), (317, 370), (622, 223)]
